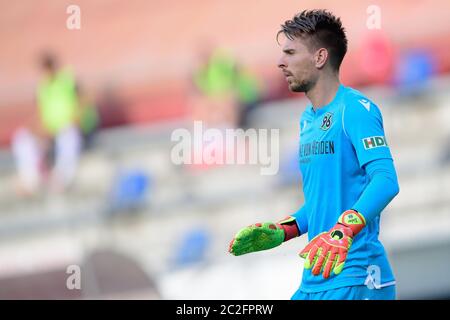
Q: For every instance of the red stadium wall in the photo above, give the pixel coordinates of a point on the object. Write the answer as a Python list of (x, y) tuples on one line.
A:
[(147, 49)]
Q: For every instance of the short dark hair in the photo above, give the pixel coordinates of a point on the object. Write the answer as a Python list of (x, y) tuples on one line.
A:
[(48, 61), (323, 28)]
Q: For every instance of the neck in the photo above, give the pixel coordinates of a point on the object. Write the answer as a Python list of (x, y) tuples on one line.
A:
[(323, 91)]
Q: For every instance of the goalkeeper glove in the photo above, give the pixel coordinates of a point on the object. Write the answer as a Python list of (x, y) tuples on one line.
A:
[(263, 236), (328, 251)]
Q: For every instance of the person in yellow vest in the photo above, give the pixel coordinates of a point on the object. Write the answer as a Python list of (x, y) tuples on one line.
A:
[(214, 81), (88, 117), (57, 101)]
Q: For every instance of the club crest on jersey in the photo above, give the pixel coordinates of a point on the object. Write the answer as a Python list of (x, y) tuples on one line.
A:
[(374, 142), (326, 121)]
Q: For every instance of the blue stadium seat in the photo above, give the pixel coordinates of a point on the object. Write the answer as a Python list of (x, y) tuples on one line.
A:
[(129, 191)]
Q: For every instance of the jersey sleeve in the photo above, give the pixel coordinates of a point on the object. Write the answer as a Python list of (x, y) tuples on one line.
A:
[(382, 188), (301, 219), (363, 125)]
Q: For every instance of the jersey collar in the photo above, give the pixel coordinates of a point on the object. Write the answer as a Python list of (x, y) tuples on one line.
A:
[(328, 106)]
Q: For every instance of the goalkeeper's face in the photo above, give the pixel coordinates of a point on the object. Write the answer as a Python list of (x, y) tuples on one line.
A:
[(298, 64)]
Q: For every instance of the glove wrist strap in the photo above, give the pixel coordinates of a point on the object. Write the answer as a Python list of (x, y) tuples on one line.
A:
[(289, 225), (353, 220)]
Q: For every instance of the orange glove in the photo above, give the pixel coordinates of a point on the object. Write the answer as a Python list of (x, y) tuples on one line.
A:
[(328, 251)]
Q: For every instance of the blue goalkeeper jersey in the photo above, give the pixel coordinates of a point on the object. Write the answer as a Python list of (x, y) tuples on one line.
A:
[(336, 142)]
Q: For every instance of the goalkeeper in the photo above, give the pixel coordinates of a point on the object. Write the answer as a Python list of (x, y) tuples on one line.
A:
[(347, 170)]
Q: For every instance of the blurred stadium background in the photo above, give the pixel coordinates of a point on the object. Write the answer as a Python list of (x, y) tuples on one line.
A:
[(140, 227)]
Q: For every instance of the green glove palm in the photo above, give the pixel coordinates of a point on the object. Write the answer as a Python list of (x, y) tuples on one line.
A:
[(257, 237), (263, 236)]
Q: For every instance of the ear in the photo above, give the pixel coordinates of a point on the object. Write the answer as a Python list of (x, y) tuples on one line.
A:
[(320, 58)]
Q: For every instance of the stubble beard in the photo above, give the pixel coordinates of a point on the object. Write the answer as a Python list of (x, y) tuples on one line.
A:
[(302, 86)]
